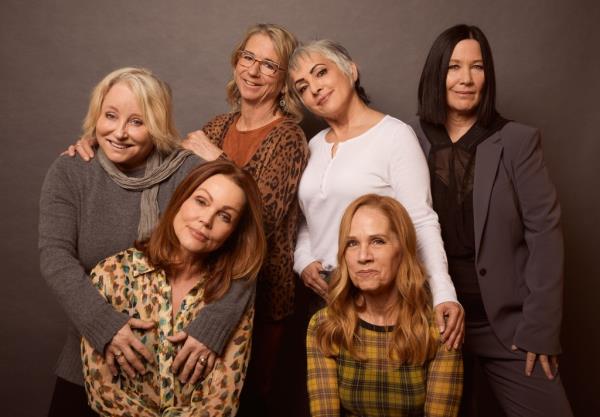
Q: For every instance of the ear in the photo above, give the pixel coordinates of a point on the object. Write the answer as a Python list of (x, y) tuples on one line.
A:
[(354, 70)]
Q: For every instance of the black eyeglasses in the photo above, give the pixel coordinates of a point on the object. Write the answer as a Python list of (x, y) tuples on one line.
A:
[(267, 67)]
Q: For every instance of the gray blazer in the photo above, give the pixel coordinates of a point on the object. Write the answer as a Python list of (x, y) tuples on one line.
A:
[(518, 238)]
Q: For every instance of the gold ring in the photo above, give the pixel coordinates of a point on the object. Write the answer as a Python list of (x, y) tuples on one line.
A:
[(202, 360), (118, 354)]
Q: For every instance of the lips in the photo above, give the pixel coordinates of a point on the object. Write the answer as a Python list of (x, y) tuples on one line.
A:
[(117, 145), (322, 99), (366, 273), (251, 84), (198, 235)]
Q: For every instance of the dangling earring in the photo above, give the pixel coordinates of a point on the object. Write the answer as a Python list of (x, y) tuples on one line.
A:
[(282, 102)]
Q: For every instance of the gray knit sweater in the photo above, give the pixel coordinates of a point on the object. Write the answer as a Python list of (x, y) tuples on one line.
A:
[(86, 217)]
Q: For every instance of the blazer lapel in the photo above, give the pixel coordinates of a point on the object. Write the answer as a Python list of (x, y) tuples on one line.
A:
[(486, 166)]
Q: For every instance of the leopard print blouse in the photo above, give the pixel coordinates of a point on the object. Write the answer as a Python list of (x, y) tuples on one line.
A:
[(277, 167), (134, 287)]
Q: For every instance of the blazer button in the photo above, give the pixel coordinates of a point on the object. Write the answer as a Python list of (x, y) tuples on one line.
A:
[(482, 272)]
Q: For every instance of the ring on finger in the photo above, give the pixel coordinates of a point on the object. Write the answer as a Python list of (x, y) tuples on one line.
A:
[(202, 361), (118, 354)]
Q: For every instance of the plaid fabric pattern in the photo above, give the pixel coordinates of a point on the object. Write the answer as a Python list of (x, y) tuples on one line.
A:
[(379, 386)]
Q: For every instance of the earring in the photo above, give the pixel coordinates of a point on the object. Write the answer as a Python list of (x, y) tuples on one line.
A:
[(282, 102)]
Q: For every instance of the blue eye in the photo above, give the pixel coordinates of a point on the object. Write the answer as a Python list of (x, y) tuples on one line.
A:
[(136, 122)]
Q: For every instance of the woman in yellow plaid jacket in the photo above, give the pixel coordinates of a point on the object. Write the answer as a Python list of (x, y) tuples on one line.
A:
[(375, 349)]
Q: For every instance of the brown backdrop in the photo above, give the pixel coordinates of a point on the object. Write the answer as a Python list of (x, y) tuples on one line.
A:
[(52, 53)]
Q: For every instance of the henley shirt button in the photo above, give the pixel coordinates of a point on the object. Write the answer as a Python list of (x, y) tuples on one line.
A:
[(482, 272)]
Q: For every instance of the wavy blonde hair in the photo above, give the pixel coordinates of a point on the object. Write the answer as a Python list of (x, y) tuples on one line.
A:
[(412, 339), (154, 98), (284, 42)]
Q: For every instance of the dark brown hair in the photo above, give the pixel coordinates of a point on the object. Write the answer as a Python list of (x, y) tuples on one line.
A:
[(240, 256)]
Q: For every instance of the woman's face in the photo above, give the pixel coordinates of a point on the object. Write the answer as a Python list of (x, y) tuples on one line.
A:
[(207, 218), (323, 87), (256, 87), (373, 253), (121, 131), (465, 78)]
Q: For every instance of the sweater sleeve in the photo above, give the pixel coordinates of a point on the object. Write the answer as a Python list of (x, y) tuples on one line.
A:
[(444, 383), (302, 254), (217, 321), (321, 377), (93, 317), (410, 180)]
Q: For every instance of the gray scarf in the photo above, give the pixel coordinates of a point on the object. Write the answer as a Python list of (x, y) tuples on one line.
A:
[(157, 170)]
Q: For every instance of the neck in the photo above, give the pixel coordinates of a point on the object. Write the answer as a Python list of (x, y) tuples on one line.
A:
[(380, 309), (255, 115), (189, 270), (355, 114), (458, 124)]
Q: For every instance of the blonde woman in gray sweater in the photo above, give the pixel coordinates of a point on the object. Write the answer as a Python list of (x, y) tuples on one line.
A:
[(91, 210)]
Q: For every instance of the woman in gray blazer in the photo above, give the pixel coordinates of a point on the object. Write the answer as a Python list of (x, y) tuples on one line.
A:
[(500, 222)]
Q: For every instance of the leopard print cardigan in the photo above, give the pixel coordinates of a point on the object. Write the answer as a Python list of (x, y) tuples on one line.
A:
[(277, 167)]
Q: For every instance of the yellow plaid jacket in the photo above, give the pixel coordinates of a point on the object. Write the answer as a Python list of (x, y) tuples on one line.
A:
[(346, 386)]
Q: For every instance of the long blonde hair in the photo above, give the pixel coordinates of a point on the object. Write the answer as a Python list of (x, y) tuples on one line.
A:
[(412, 339), (284, 42)]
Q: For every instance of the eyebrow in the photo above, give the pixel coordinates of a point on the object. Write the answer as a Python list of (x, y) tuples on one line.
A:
[(310, 72), (264, 59), (212, 199)]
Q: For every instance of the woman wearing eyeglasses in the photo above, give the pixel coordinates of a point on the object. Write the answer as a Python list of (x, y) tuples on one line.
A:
[(261, 134)]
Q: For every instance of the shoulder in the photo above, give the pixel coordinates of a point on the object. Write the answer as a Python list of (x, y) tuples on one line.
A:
[(290, 131), (130, 262), (317, 319), (517, 136), (72, 171), (219, 122), (393, 129)]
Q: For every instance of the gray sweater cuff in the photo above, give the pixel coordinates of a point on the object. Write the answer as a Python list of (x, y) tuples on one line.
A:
[(216, 321), (100, 332)]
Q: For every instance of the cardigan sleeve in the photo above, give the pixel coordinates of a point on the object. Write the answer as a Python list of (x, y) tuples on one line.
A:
[(93, 317), (321, 377), (542, 308), (410, 180), (444, 383), (281, 172)]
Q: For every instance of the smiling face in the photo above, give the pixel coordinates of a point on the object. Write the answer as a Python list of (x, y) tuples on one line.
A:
[(373, 253), (465, 78), (207, 218), (254, 86), (322, 86), (120, 129)]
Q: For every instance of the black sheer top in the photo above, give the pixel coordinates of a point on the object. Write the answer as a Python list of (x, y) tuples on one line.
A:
[(452, 171)]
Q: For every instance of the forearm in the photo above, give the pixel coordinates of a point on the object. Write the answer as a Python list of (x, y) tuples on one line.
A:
[(302, 253), (216, 321), (444, 384)]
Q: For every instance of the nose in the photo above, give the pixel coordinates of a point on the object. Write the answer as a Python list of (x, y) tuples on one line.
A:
[(121, 131), (466, 77), (364, 254), (314, 88), (254, 69), (207, 218)]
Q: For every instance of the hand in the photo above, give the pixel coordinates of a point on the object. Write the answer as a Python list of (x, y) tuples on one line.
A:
[(197, 360), (83, 147), (123, 347), (548, 362), (201, 145), (311, 278), (450, 319)]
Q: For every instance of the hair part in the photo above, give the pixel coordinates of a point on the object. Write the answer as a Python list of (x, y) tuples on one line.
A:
[(334, 52), (284, 43), (432, 85), (240, 256), (412, 339), (154, 98)]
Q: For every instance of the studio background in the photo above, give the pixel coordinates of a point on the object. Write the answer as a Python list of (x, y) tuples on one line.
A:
[(53, 52)]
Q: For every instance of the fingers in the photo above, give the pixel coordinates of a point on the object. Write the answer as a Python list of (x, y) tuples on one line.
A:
[(140, 324), (454, 325), (124, 363), (529, 363), (311, 278), (141, 349), (210, 364), (109, 357), (198, 371), (85, 149), (546, 367), (183, 354), (440, 321), (189, 366), (554, 363), (70, 151)]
